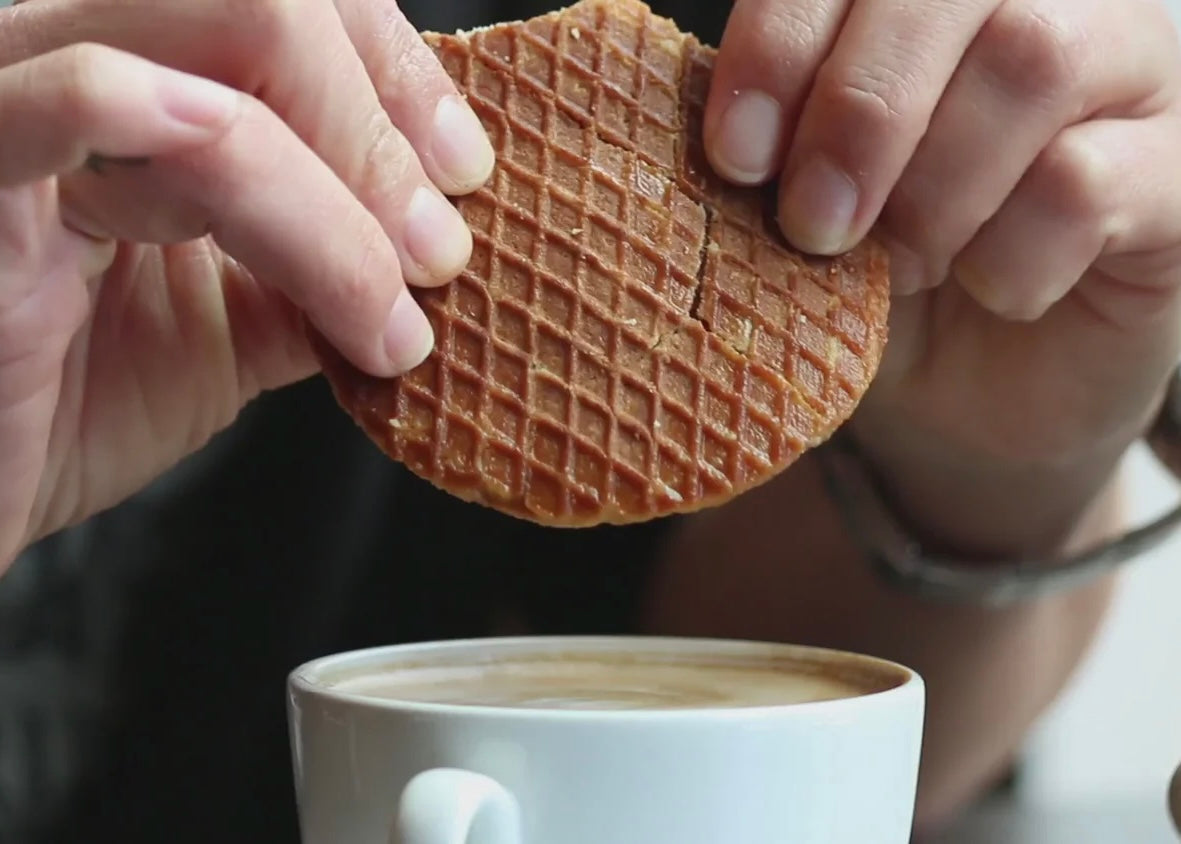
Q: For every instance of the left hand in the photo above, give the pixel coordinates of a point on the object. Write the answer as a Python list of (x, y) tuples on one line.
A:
[(1020, 158)]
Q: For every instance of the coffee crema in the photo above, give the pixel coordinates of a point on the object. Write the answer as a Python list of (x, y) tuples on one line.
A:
[(603, 682)]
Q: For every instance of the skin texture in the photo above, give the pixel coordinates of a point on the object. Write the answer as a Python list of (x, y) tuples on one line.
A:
[(1037, 278)]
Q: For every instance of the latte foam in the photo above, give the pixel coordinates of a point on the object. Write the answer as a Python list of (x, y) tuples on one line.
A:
[(603, 682)]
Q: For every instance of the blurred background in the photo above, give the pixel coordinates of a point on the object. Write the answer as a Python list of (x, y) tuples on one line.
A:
[(1097, 767)]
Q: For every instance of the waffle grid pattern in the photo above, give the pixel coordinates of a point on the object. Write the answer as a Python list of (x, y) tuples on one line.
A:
[(615, 350), (808, 320)]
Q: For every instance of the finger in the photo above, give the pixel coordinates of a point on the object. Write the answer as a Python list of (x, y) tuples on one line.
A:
[(35, 247), (419, 95), (272, 204), (68, 106), (264, 48), (267, 198), (338, 114), (871, 102), (1097, 190), (1032, 75), (766, 61), (63, 107)]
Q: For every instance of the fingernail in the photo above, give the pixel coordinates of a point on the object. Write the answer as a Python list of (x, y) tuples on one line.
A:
[(437, 237), (818, 208), (409, 337), (461, 146), (1000, 299), (198, 101), (746, 147)]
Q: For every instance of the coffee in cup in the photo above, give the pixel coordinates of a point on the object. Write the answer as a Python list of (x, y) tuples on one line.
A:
[(605, 740), (610, 680)]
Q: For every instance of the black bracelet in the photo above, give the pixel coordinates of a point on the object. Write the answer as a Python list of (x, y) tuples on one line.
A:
[(903, 563)]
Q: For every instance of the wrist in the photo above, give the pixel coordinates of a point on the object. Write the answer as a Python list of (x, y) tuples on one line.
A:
[(959, 503)]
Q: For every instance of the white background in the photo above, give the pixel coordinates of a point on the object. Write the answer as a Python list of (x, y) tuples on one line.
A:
[(1116, 733)]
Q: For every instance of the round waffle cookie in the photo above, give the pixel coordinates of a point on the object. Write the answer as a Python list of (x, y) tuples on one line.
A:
[(632, 337)]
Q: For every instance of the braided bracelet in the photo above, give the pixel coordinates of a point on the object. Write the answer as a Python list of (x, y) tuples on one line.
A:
[(902, 562)]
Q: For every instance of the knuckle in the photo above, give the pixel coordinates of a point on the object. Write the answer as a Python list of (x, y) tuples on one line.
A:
[(390, 78), (1034, 55), (357, 293), (880, 100), (387, 163), (412, 69), (780, 33), (1073, 180), (400, 37), (82, 70)]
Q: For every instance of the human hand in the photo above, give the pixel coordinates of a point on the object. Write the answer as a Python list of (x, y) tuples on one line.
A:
[(180, 183), (1020, 160)]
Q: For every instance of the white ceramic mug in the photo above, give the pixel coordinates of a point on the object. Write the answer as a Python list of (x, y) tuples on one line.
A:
[(381, 771)]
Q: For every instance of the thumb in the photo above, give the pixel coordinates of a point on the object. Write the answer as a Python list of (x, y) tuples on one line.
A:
[(63, 107)]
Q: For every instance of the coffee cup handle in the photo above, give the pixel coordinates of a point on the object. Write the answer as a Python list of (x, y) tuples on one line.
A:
[(454, 806)]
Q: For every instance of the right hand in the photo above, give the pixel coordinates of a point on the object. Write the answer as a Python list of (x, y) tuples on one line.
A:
[(176, 194), (1037, 272)]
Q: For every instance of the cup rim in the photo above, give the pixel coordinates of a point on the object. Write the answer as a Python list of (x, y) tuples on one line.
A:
[(306, 679)]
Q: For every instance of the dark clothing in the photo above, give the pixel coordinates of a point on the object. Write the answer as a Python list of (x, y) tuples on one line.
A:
[(143, 654), (289, 538)]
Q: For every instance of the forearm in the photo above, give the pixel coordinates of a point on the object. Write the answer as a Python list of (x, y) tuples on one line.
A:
[(777, 564)]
